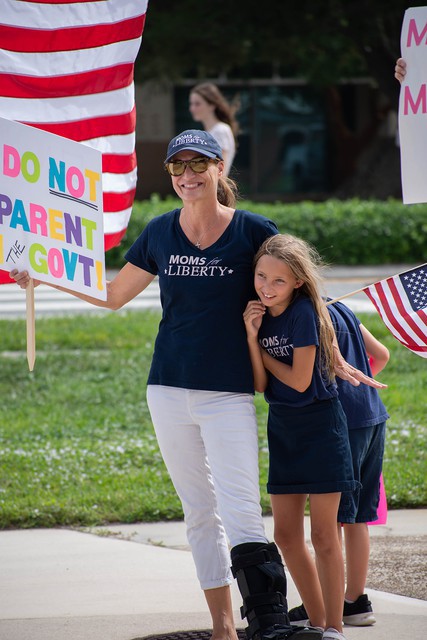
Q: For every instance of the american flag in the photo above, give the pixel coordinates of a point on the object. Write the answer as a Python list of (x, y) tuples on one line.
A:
[(66, 66), (401, 301)]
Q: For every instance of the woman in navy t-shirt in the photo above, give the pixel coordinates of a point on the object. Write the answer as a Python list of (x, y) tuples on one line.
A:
[(200, 385)]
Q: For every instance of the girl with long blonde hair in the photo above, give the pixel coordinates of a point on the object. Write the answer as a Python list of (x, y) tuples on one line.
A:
[(291, 344)]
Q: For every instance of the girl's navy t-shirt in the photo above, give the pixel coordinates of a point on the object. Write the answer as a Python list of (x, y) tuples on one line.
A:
[(201, 343), (296, 327)]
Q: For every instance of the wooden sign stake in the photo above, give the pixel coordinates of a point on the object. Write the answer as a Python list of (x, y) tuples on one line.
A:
[(31, 326)]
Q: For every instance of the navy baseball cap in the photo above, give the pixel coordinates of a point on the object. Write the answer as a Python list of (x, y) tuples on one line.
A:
[(194, 140)]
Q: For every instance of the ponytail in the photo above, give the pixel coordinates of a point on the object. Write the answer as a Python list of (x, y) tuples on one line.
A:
[(227, 192)]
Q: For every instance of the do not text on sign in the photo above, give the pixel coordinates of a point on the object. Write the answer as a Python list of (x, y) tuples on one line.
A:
[(51, 213)]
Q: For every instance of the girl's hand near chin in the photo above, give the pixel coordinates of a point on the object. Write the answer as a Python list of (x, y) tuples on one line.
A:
[(252, 317)]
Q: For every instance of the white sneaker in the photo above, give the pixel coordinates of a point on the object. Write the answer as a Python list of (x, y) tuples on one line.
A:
[(333, 634)]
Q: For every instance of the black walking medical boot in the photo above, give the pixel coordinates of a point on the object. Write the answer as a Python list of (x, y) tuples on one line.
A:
[(261, 579)]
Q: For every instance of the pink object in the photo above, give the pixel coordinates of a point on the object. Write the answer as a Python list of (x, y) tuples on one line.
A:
[(382, 506)]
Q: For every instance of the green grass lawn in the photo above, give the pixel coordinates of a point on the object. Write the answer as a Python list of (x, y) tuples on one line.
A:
[(76, 442)]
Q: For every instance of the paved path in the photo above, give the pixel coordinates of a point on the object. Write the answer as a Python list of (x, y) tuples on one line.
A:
[(49, 301), (68, 585)]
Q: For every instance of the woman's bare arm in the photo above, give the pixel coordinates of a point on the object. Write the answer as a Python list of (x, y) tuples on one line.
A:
[(126, 285)]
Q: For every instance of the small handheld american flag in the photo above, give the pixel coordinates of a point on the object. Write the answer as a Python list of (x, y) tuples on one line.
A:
[(401, 301)]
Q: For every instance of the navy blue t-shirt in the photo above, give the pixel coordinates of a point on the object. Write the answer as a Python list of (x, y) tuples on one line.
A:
[(297, 326), (201, 343), (362, 405)]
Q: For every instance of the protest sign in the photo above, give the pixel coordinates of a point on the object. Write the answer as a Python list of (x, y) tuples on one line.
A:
[(413, 106), (51, 213)]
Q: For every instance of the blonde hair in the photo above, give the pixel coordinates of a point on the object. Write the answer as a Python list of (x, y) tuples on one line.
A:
[(224, 111), (305, 263)]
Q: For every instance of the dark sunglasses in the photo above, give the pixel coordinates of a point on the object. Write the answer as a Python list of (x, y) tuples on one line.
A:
[(198, 165)]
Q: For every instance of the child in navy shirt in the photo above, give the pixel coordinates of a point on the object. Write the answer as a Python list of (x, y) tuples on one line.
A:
[(366, 420), (290, 339)]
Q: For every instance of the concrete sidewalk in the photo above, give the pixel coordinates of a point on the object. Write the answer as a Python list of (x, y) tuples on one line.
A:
[(129, 581)]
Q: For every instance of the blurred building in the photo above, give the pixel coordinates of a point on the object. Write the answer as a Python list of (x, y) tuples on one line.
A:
[(295, 141)]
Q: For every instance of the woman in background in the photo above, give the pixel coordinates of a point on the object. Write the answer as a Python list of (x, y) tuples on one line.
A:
[(210, 107)]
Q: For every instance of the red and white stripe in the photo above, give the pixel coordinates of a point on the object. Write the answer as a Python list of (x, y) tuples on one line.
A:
[(394, 307), (67, 68)]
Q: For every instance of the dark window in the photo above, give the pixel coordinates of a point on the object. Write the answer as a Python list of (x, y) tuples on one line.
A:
[(282, 145)]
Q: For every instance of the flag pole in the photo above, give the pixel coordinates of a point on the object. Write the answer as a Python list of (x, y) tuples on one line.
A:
[(347, 295), (352, 293), (31, 328)]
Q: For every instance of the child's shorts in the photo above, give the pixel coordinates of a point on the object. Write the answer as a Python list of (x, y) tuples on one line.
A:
[(367, 448)]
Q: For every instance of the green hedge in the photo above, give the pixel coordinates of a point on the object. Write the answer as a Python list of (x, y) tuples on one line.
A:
[(351, 232)]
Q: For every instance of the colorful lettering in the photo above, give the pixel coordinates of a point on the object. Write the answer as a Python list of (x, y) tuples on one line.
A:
[(98, 267), (70, 264), (19, 216), (38, 219), (30, 158), (413, 34), (87, 264), (90, 226), (11, 155), (57, 262), (73, 229), (13, 164), (93, 177), (56, 175), (409, 102), (78, 190), (56, 226), (38, 263), (5, 206), (52, 223), (72, 179)]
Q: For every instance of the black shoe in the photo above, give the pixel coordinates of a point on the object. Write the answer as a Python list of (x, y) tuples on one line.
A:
[(358, 613), (298, 616)]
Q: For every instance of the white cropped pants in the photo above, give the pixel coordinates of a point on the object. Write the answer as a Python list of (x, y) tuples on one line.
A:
[(209, 442)]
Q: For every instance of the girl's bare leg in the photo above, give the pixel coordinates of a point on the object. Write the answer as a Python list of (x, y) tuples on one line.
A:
[(288, 513), (329, 557), (221, 609)]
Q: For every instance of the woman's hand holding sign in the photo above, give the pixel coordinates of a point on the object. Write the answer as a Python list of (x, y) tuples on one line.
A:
[(22, 278)]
